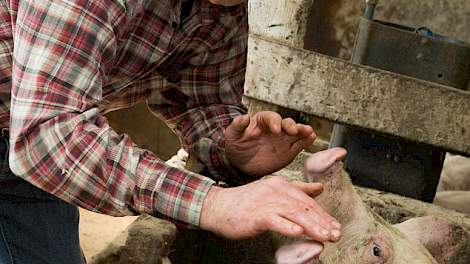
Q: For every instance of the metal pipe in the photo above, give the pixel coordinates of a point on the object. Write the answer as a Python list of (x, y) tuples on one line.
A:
[(370, 8)]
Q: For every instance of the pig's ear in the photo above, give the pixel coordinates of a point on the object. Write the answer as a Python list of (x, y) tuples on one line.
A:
[(442, 238), (323, 161), (299, 252)]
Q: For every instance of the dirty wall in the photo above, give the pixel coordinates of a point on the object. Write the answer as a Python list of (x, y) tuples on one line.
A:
[(334, 22)]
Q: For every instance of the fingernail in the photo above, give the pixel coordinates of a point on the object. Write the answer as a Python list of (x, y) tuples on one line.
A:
[(296, 228), (325, 232), (335, 233), (336, 224)]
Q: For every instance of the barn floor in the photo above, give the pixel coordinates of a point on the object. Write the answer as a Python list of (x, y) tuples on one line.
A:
[(97, 230)]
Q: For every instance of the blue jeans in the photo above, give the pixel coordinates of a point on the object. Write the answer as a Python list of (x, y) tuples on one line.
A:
[(35, 226)]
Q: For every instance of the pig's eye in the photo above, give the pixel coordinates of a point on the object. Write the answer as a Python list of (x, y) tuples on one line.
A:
[(377, 251)]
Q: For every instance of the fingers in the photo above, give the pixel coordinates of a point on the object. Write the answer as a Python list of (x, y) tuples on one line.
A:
[(296, 206), (308, 219), (270, 120), (272, 204), (273, 122), (239, 125), (293, 129), (305, 130), (301, 191), (295, 222), (282, 226), (290, 127), (312, 189), (301, 144)]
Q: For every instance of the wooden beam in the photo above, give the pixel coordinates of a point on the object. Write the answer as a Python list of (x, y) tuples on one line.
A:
[(357, 95), (285, 21)]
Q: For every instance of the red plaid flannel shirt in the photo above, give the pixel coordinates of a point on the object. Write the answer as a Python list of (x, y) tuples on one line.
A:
[(67, 62)]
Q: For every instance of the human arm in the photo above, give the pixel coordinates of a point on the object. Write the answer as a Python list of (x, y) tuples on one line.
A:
[(204, 109), (60, 142), (264, 142), (271, 204), (200, 107), (275, 205), (206, 92)]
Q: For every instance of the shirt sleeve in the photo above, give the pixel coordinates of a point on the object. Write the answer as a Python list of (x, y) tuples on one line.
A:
[(60, 142), (206, 98)]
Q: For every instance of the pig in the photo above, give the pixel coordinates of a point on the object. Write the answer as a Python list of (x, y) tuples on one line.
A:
[(456, 200), (454, 185), (455, 175), (446, 241), (366, 237)]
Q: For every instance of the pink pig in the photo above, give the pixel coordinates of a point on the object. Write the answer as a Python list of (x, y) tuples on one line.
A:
[(366, 237)]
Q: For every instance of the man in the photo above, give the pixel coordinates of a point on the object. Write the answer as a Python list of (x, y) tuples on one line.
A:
[(65, 63)]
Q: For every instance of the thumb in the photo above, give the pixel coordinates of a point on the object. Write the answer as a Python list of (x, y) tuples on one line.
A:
[(238, 126), (312, 189)]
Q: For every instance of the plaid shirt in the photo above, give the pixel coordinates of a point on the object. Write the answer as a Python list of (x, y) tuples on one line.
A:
[(65, 63)]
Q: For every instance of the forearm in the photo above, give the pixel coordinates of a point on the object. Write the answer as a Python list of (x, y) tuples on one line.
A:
[(80, 159)]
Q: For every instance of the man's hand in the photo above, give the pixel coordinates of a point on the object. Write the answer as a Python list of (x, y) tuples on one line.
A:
[(273, 204), (264, 142)]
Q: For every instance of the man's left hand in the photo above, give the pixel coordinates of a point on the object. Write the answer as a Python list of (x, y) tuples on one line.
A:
[(263, 143)]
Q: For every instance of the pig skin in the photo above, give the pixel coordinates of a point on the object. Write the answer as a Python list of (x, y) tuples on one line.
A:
[(455, 174), (456, 200), (366, 237), (362, 229), (444, 240)]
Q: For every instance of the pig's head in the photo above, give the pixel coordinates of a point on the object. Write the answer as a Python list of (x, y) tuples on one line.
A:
[(366, 237)]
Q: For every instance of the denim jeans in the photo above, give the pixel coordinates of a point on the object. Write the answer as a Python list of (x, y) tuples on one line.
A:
[(35, 226)]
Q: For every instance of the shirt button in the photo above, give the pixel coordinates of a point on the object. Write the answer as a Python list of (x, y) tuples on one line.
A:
[(174, 25)]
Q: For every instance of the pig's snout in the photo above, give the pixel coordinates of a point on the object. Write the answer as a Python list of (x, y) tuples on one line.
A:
[(299, 252)]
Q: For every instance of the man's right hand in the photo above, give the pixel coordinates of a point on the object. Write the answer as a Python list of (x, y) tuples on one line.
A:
[(274, 204)]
